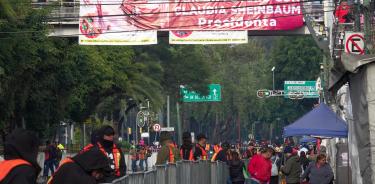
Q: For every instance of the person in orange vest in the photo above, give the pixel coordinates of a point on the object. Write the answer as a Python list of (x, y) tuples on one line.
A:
[(168, 152), (85, 168), (105, 143), (200, 151), (112, 151), (142, 157), (223, 153), (134, 157), (20, 164), (187, 148)]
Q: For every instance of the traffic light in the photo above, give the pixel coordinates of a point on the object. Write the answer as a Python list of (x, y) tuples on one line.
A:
[(263, 93)]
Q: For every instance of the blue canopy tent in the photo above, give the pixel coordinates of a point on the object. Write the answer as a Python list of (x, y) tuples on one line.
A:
[(320, 122), (307, 139)]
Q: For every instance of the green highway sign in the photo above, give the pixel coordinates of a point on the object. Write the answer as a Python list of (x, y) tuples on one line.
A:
[(191, 96), (300, 89)]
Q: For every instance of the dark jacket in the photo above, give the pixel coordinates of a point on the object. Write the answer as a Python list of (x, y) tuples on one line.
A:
[(304, 162), (79, 171), (108, 147), (235, 170), (185, 149), (222, 155), (22, 144), (292, 169), (322, 175)]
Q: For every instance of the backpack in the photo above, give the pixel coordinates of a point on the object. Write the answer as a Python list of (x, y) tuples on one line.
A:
[(275, 169)]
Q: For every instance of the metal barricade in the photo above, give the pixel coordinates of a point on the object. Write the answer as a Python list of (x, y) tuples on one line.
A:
[(161, 174), (223, 172), (184, 168), (172, 173), (150, 177), (214, 174), (122, 180), (136, 178), (194, 172), (206, 171), (183, 172)]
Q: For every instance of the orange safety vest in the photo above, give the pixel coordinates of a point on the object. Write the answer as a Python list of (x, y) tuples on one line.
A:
[(171, 155), (191, 154), (7, 165), (66, 160), (217, 148), (204, 153), (208, 146), (116, 157), (86, 148), (216, 153)]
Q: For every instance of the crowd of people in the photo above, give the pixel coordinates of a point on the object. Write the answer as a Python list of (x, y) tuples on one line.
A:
[(139, 155), (257, 164), (103, 161)]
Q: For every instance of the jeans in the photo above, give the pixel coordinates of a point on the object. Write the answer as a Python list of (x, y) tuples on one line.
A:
[(141, 165), (134, 165), (48, 166), (146, 163)]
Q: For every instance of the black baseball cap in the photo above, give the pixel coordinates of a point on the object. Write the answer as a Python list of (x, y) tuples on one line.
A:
[(201, 136), (108, 131)]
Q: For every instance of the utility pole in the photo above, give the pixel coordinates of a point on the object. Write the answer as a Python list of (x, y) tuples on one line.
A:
[(271, 132), (148, 120), (168, 112), (179, 128), (273, 78)]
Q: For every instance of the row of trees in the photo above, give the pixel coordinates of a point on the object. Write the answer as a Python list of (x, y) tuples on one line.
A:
[(44, 80)]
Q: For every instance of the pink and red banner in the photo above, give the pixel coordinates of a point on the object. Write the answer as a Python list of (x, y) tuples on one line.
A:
[(214, 15)]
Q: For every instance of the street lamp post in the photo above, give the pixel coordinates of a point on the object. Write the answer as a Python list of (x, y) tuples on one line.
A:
[(273, 78)]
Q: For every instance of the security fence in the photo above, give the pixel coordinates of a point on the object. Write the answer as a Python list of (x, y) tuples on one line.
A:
[(183, 172)]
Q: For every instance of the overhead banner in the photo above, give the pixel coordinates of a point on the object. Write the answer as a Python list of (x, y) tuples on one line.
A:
[(214, 15), (208, 37), (102, 22)]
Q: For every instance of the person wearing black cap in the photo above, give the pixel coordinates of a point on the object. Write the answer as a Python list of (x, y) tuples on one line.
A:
[(200, 152), (168, 152), (186, 149), (112, 151), (20, 153), (103, 139)]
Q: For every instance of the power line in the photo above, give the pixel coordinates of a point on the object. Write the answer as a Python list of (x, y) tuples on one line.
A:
[(170, 12), (166, 29), (208, 9), (78, 4)]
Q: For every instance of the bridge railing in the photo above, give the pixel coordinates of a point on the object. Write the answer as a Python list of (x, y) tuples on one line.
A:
[(182, 172), (66, 12)]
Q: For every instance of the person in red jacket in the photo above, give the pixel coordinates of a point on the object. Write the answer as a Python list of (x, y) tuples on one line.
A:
[(260, 167)]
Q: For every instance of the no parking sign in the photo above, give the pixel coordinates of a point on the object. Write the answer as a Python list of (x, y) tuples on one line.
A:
[(354, 43), (156, 127)]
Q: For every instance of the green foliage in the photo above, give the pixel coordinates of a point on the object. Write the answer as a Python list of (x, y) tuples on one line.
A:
[(44, 80)]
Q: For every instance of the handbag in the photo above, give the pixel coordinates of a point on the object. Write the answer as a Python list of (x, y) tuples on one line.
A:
[(275, 170)]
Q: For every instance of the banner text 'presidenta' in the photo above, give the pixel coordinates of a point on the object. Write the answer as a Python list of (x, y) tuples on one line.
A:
[(215, 15)]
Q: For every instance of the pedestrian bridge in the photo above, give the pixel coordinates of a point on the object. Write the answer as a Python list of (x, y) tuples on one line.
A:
[(65, 14), (182, 172)]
